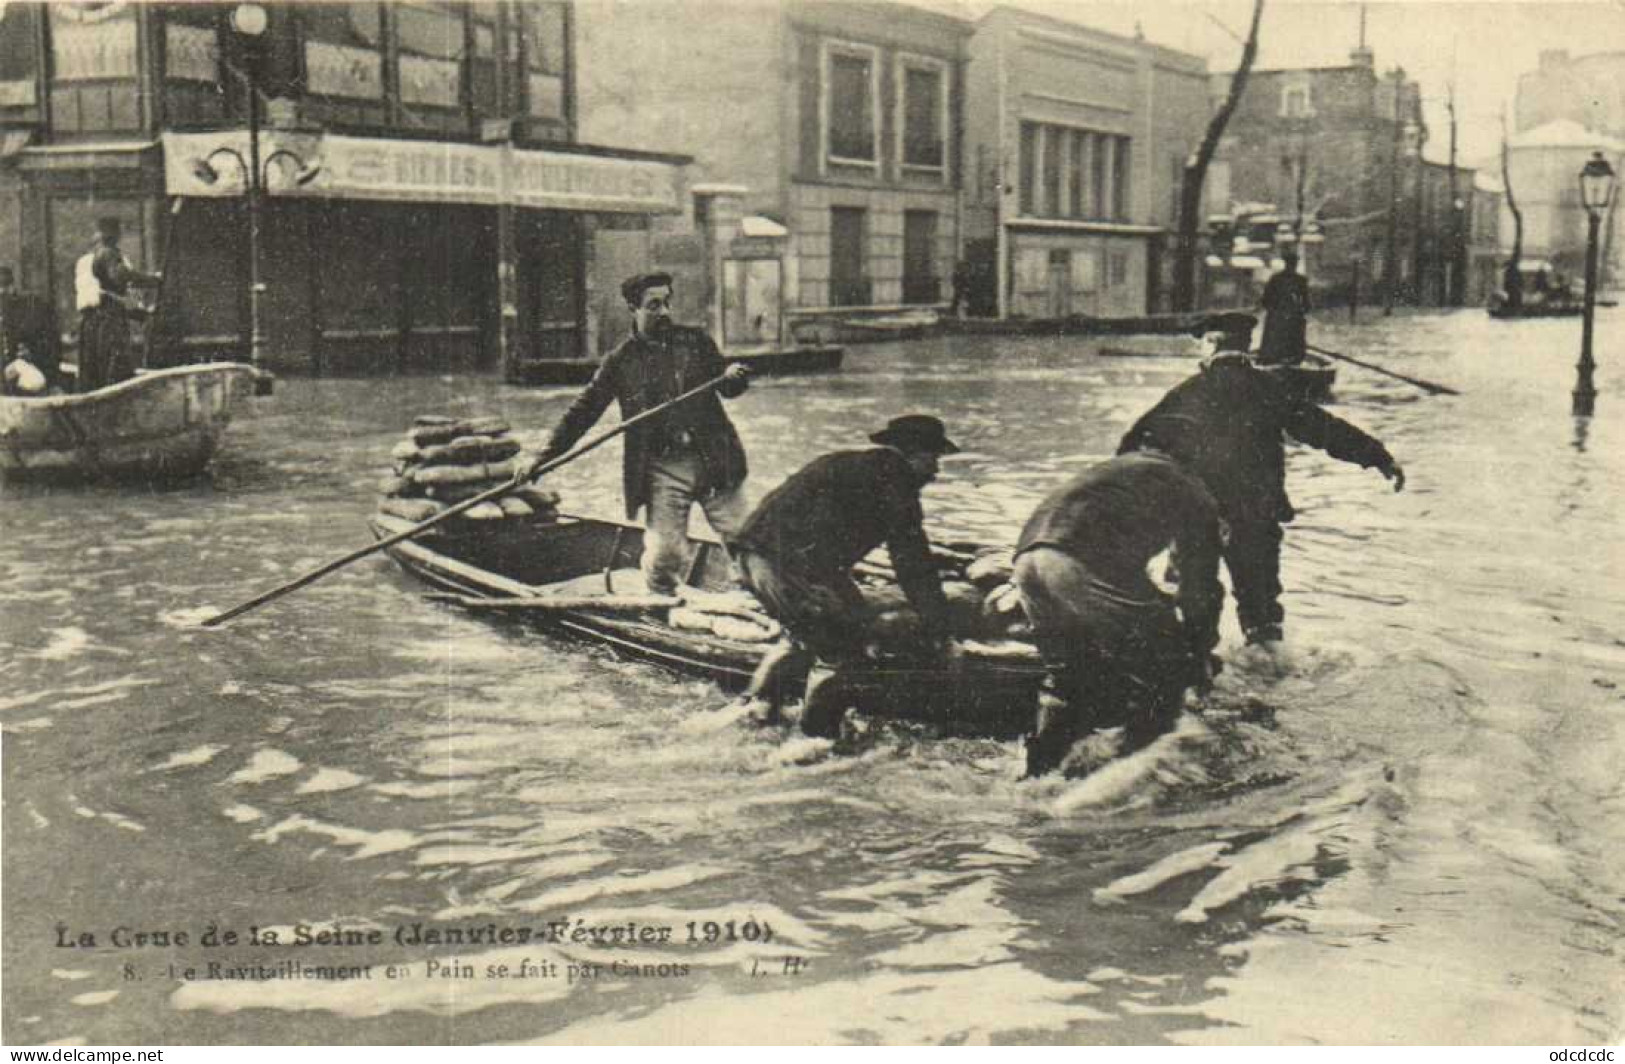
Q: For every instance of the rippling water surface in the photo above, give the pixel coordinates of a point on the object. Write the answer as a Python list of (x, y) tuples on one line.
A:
[(1406, 826)]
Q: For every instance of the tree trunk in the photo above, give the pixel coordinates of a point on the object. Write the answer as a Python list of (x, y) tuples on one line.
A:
[(1190, 192), (1512, 276)]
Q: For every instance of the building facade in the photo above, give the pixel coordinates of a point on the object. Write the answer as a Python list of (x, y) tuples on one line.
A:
[(1543, 166), (1588, 90), (825, 139), (1075, 142), (427, 202), (1485, 257), (1335, 154)]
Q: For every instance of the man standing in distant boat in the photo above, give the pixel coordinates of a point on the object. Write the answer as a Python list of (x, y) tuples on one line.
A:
[(1116, 653), (103, 278), (1286, 301), (689, 454), (797, 550), (1226, 425)]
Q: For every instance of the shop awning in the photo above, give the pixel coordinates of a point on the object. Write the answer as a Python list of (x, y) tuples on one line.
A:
[(373, 168)]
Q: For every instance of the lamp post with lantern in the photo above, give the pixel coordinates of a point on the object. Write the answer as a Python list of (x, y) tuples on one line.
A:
[(1596, 193), (250, 21)]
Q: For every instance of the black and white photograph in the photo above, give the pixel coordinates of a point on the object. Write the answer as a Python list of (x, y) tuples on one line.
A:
[(812, 523)]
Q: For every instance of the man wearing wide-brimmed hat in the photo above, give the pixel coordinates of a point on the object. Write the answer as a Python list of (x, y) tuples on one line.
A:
[(797, 550), (1227, 425)]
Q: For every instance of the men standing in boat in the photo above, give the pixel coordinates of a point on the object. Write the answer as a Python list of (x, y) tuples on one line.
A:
[(1226, 425), (1286, 301), (1116, 653), (103, 278), (690, 454), (797, 549)]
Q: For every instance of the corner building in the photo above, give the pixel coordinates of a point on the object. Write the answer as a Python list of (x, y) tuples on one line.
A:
[(455, 220)]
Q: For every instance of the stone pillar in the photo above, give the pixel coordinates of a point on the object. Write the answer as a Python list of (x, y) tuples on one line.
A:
[(588, 249), (718, 210)]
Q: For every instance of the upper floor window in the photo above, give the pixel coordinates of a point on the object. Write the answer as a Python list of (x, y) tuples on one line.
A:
[(1074, 173), (851, 104), (18, 62), (342, 49), (1296, 99), (92, 41), (923, 113), (543, 29), (432, 45)]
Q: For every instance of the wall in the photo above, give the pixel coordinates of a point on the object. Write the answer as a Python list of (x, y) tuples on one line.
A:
[(717, 96)]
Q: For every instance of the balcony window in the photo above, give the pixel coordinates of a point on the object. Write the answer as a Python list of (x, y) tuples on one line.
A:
[(923, 113), (92, 42), (1074, 173), (851, 102)]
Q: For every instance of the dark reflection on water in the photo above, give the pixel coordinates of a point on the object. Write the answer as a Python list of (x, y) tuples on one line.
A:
[(1435, 753)]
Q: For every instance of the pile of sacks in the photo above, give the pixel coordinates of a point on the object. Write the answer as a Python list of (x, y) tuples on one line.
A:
[(444, 461), (983, 605)]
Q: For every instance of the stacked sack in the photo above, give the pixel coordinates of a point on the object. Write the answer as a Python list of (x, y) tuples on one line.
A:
[(444, 461), (982, 605)]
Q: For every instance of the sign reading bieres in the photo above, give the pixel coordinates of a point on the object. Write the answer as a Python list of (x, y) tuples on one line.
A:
[(430, 172)]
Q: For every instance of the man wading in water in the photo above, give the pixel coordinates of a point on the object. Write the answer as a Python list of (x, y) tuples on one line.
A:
[(1227, 425)]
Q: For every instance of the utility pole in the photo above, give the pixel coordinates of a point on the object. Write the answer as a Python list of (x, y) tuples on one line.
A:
[(1390, 261)]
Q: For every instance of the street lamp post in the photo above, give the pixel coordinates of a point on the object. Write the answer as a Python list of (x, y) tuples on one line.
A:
[(250, 22), (1596, 193)]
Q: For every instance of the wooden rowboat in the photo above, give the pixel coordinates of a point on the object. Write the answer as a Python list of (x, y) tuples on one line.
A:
[(534, 572), (160, 424)]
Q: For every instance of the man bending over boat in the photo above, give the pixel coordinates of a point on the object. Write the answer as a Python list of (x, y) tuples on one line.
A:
[(1226, 426), (1116, 654), (690, 454), (797, 550)]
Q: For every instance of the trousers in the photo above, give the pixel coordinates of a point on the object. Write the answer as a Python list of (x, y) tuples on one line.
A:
[(1253, 557), (676, 482), (1113, 657)]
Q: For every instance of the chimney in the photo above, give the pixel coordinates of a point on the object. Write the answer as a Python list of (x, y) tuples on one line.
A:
[(1363, 57)]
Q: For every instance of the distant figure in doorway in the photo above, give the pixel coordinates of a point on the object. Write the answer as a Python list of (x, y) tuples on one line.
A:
[(28, 340), (103, 278), (1286, 301), (689, 454), (961, 285)]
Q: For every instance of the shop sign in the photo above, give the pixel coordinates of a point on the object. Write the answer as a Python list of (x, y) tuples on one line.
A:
[(337, 70), (754, 247), (436, 82), (434, 171), (557, 181), (191, 53)]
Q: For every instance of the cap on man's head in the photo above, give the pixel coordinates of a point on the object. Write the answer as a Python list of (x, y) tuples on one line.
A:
[(109, 227), (633, 287), (916, 432), (1232, 324), (1289, 255)]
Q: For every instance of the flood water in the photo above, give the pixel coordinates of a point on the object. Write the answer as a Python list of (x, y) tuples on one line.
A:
[(1406, 826)]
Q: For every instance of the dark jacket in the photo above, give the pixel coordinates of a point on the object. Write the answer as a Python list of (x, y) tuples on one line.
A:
[(826, 517), (641, 374), (1226, 425), (1286, 301), (1116, 516)]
